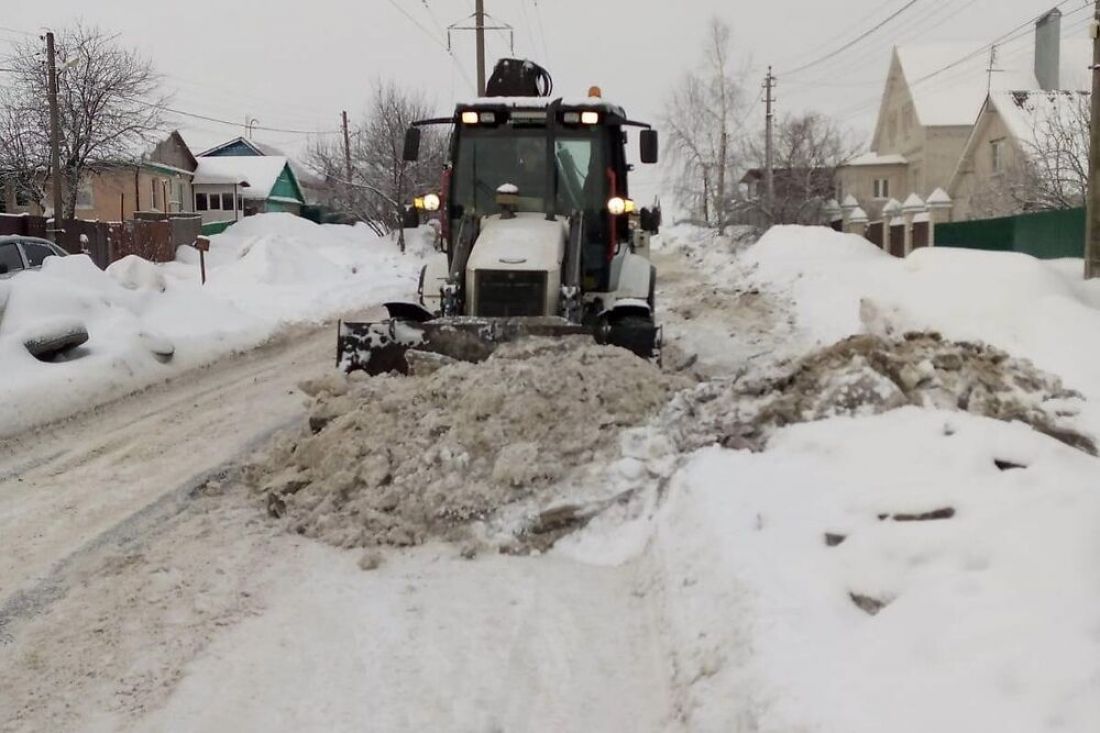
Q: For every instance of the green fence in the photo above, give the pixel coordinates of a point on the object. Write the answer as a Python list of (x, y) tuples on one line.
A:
[(1047, 235)]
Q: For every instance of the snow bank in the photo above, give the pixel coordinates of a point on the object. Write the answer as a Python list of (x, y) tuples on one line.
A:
[(803, 592), (148, 322), (841, 285)]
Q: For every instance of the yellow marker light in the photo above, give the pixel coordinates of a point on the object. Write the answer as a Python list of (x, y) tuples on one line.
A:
[(590, 118), (469, 117), (630, 207), (418, 202), (616, 206), (431, 202)]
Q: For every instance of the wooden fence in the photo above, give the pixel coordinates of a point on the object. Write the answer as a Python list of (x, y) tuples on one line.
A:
[(154, 238)]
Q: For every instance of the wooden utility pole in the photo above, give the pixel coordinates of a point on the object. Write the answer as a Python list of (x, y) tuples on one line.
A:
[(1092, 238), (347, 147), (769, 148), (55, 132), (479, 25)]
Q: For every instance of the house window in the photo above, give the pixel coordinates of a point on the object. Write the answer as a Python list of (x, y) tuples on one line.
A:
[(997, 152), (215, 202), (227, 201), (84, 197), (882, 188), (200, 202)]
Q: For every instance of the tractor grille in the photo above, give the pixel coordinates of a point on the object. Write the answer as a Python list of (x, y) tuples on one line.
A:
[(504, 293)]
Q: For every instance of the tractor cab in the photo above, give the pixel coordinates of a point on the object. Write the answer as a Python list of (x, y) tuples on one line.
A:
[(539, 234)]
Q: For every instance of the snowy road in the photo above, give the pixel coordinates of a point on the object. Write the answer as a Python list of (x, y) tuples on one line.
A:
[(65, 485), (142, 600)]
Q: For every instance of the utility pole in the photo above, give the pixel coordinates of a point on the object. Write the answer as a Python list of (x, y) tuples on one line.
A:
[(347, 147), (55, 133), (1092, 238), (769, 149), (479, 25)]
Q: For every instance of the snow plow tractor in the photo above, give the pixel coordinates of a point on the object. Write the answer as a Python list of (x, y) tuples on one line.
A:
[(539, 234)]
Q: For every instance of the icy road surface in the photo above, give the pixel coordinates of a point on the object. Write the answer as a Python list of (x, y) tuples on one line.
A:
[(135, 595)]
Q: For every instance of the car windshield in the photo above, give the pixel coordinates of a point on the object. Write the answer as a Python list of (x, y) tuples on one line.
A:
[(488, 159)]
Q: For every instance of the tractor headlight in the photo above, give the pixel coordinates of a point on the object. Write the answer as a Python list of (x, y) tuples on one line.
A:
[(590, 118), (469, 117), (431, 202), (618, 206)]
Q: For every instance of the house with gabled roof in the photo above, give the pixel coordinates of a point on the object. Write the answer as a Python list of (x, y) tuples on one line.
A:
[(927, 113), (158, 180), (1028, 151), (230, 187)]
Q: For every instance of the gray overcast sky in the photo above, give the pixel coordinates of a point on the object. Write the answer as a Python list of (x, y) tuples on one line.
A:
[(296, 63)]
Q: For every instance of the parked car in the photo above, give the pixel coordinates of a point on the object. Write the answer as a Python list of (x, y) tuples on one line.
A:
[(25, 253)]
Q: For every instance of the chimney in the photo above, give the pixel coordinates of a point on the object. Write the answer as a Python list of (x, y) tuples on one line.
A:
[(1048, 50)]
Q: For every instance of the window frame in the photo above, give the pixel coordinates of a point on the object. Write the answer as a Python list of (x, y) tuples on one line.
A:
[(880, 189), (201, 196), (996, 155), (228, 196)]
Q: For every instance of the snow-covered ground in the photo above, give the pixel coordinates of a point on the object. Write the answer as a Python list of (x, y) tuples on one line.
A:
[(264, 273), (918, 570)]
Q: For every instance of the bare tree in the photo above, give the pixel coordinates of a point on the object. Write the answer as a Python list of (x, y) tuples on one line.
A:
[(1050, 170), (108, 103), (808, 149), (702, 118), (382, 182)]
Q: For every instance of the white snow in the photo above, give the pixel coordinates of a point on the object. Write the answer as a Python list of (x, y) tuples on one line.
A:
[(870, 159), (264, 273), (990, 622), (989, 616)]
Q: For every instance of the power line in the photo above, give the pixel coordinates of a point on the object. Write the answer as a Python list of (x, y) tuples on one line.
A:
[(854, 41), (207, 118), (1015, 34), (438, 41), (935, 17), (851, 28)]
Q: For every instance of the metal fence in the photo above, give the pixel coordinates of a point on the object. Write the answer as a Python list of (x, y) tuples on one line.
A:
[(1046, 235)]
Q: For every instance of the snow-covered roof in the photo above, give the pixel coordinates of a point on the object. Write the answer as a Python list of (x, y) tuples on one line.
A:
[(868, 159), (1032, 116), (955, 96), (261, 172)]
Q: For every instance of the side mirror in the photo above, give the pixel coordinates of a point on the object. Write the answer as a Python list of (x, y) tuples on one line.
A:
[(650, 220), (412, 145), (649, 145), (411, 218)]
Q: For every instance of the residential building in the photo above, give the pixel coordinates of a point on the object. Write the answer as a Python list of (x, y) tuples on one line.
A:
[(927, 113), (227, 188), (313, 187), (159, 180), (1028, 151), (800, 195)]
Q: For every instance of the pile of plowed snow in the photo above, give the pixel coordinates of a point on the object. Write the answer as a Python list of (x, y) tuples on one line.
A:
[(870, 375), (394, 460)]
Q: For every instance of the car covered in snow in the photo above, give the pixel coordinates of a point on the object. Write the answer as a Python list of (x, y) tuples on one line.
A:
[(19, 253)]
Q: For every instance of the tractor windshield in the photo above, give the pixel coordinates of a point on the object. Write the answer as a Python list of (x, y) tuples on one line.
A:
[(489, 158)]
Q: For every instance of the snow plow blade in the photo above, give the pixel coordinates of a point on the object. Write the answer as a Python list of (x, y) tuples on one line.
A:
[(381, 347)]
